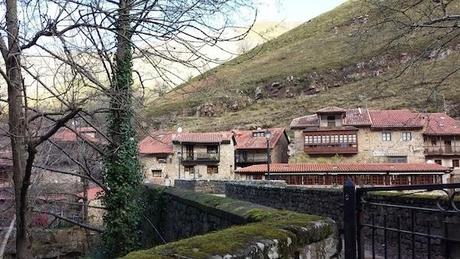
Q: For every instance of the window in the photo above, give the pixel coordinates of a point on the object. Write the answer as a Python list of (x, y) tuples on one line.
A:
[(341, 138), (335, 139), (455, 163), (212, 149), (434, 142), (189, 152), (212, 169), (397, 159), (448, 146), (331, 121), (386, 136), (189, 169), (162, 160), (438, 161), (406, 136), (353, 138), (157, 172)]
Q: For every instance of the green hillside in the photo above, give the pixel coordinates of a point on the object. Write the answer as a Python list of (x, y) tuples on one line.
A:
[(342, 58)]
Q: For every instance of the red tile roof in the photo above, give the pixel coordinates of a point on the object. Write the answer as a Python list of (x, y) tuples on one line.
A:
[(245, 140), (396, 119), (156, 143), (304, 121), (68, 135), (378, 119), (204, 137), (331, 109), (352, 168), (441, 124), (357, 117)]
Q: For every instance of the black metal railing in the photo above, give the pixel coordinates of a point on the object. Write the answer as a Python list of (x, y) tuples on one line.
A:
[(416, 221), (251, 158), (201, 156)]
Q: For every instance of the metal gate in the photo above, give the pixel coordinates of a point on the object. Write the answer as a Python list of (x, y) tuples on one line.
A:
[(391, 225)]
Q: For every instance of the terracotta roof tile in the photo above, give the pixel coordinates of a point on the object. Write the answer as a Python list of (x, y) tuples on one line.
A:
[(441, 124), (331, 109), (304, 121), (365, 117), (357, 117), (157, 143), (396, 119), (364, 168), (204, 137), (67, 135), (245, 139)]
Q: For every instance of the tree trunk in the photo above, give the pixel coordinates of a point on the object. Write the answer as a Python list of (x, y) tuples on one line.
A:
[(17, 130), (122, 166)]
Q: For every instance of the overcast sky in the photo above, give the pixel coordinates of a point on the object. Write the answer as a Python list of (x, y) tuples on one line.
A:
[(293, 10)]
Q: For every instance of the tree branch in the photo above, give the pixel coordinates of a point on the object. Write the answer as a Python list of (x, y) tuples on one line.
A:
[(82, 225)]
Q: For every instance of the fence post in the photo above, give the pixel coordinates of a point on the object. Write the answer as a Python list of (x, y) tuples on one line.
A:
[(349, 218)]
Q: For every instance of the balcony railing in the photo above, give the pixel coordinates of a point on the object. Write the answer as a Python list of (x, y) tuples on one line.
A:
[(442, 150), (202, 157), (331, 149), (251, 158)]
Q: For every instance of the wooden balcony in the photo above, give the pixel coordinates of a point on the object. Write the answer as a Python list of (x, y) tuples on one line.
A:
[(442, 150), (251, 159), (201, 157), (341, 149)]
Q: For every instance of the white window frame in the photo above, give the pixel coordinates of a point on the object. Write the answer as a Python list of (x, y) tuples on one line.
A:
[(386, 135), (406, 136)]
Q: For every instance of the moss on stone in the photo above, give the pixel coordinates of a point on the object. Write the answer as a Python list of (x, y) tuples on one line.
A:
[(291, 230)]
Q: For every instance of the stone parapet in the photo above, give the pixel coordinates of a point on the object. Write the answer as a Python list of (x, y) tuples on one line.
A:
[(219, 227)]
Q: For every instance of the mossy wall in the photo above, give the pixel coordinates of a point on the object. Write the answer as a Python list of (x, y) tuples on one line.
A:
[(221, 227)]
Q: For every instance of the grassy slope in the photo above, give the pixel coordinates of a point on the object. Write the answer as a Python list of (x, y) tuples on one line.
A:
[(327, 42)]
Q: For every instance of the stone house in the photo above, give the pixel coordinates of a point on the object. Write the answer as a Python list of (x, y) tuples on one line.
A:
[(442, 140), (156, 155), (208, 155), (364, 135), (251, 146), (169, 156)]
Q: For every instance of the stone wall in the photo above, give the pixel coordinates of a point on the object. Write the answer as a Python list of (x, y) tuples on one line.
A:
[(329, 203), (207, 226), (324, 202), (372, 146), (218, 186), (204, 186)]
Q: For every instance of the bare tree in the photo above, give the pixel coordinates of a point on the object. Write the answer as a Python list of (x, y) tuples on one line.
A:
[(93, 45)]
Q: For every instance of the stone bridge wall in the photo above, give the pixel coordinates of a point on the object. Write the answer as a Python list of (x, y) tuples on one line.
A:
[(197, 225)]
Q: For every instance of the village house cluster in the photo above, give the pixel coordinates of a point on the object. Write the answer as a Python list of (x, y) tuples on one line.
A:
[(374, 147), (209, 155)]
